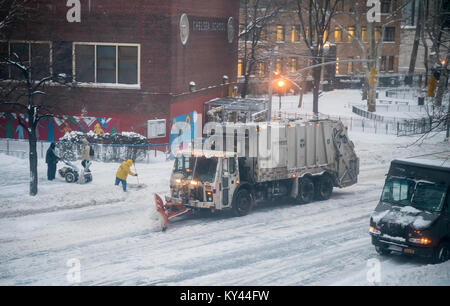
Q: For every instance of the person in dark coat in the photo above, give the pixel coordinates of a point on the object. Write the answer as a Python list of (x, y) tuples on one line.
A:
[(51, 159)]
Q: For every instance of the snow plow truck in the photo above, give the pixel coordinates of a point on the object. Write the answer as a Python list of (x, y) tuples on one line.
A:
[(302, 160)]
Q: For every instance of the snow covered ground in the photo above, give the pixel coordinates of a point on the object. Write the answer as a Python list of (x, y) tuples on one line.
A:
[(109, 233), (340, 102)]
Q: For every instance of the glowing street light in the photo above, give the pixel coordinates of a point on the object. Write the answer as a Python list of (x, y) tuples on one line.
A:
[(281, 83)]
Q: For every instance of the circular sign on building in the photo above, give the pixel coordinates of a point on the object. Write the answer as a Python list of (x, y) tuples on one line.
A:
[(184, 29), (230, 29)]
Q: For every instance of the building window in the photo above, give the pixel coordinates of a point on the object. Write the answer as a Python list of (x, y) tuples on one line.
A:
[(364, 34), (262, 35), (293, 62), (385, 7), (377, 33), (383, 63), (350, 67), (261, 69), (389, 34), (278, 66), (37, 55), (280, 33), (340, 6), (295, 33), (337, 34), (391, 63), (107, 63), (240, 67), (351, 31), (128, 69)]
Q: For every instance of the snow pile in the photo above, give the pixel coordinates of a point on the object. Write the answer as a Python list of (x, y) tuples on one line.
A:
[(107, 147), (424, 275)]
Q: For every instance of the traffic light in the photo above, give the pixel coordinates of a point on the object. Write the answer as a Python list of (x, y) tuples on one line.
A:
[(431, 86), (373, 76)]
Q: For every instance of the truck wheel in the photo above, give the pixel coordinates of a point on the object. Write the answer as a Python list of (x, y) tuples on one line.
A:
[(323, 188), (382, 251), (242, 203), (305, 191), (441, 253)]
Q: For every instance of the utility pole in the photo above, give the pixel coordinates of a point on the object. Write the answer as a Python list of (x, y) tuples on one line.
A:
[(271, 58)]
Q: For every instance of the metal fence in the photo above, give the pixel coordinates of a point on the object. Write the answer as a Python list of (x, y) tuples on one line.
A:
[(366, 114), (401, 127), (145, 153)]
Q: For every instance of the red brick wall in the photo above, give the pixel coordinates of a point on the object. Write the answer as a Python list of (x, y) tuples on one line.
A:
[(167, 66)]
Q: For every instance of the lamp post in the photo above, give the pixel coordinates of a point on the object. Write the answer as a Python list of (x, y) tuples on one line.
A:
[(280, 85), (326, 48)]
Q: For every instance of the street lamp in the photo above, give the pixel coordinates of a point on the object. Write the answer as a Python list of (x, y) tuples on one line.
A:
[(280, 85)]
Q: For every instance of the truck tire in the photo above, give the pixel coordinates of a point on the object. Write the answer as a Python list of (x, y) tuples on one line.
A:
[(441, 253), (305, 190), (242, 203), (382, 251), (323, 188)]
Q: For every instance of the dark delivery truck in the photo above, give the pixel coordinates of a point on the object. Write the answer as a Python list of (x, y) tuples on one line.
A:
[(413, 215)]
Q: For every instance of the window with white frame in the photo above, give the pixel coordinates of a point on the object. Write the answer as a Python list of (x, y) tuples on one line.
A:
[(105, 63), (35, 54)]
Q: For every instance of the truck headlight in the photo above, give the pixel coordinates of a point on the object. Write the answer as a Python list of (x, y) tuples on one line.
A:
[(178, 181), (421, 240), (375, 230), (194, 183)]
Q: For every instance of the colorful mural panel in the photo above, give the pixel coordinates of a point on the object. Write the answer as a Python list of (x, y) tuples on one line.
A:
[(51, 129)]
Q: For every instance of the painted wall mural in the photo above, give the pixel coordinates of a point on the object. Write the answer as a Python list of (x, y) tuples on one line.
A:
[(185, 132), (51, 129)]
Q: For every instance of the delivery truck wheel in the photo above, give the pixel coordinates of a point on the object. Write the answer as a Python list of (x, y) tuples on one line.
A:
[(242, 203), (323, 188), (305, 190), (441, 253)]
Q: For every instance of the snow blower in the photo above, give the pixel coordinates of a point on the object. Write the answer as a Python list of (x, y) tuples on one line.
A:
[(169, 210), (71, 173)]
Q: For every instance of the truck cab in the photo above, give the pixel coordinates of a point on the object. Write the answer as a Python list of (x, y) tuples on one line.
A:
[(413, 214), (205, 180)]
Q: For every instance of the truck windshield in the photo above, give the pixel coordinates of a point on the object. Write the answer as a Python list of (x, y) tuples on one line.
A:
[(420, 195), (428, 196), (183, 164), (205, 169)]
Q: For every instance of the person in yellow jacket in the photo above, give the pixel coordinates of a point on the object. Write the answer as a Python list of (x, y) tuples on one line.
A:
[(122, 173)]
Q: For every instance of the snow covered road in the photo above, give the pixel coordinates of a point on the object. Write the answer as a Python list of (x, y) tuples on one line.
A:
[(109, 232)]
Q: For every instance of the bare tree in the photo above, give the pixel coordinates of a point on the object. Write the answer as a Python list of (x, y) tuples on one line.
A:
[(25, 76), (437, 27), (315, 20), (257, 16), (371, 46), (415, 48), (20, 95), (13, 12)]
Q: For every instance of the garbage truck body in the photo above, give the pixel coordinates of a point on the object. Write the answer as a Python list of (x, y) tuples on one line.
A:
[(302, 160)]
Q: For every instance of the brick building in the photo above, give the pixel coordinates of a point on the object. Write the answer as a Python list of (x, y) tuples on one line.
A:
[(134, 63), (284, 33)]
